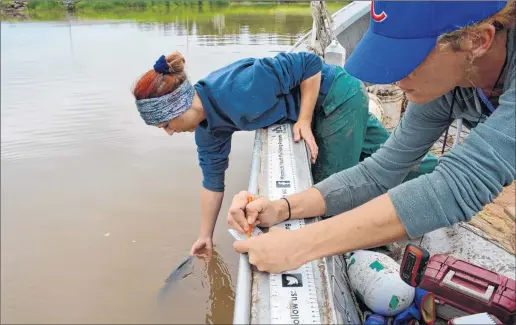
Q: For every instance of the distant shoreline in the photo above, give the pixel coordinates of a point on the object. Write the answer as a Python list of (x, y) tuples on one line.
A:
[(51, 10)]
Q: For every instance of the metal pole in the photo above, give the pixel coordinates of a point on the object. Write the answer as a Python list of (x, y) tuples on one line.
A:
[(242, 312)]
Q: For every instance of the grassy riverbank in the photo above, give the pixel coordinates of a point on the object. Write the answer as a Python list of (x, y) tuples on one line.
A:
[(105, 5), (162, 11)]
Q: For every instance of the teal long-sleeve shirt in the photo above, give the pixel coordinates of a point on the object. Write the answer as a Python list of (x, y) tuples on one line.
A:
[(250, 94), (467, 177)]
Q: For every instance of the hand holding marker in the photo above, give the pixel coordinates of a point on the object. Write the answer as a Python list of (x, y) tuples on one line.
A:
[(251, 227)]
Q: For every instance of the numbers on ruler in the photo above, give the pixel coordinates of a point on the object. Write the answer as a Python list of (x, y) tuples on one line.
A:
[(293, 294)]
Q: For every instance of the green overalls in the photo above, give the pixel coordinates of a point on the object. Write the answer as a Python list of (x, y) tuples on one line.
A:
[(347, 133)]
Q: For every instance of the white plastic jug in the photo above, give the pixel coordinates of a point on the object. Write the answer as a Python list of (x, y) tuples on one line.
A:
[(335, 54), (375, 278)]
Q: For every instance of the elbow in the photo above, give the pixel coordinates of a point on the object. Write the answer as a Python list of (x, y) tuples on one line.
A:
[(437, 200), (213, 187), (465, 218), (460, 187), (214, 175), (473, 188), (214, 183), (313, 66), (310, 63), (464, 194)]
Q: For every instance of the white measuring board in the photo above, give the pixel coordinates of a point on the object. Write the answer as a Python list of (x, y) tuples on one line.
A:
[(238, 236), (316, 293), (293, 294)]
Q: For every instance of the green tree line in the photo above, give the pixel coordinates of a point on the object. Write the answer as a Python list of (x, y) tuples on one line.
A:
[(200, 17)]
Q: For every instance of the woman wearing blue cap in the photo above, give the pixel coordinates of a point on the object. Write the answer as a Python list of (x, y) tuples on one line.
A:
[(453, 59), (254, 93)]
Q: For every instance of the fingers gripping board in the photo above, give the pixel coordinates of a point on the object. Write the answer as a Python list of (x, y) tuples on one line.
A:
[(317, 292)]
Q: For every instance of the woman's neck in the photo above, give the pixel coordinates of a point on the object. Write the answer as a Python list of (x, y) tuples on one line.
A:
[(197, 108), (488, 68)]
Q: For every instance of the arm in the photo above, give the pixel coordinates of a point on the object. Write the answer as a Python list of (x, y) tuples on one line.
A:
[(248, 91), (467, 178), (417, 131), (213, 155), (354, 186), (292, 69), (309, 93), (210, 208), (374, 176), (370, 225), (307, 204), (303, 127)]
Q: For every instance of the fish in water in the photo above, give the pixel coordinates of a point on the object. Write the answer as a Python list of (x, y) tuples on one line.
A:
[(179, 273)]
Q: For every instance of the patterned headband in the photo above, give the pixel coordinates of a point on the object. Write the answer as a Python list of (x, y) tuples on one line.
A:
[(162, 109)]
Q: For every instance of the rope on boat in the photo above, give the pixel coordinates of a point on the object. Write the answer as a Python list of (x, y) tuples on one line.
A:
[(322, 27)]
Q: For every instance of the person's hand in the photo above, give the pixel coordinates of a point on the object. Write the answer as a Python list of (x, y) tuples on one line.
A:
[(205, 254), (303, 129), (261, 211), (203, 243), (275, 251)]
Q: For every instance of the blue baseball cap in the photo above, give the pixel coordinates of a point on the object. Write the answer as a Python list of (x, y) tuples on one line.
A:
[(402, 33)]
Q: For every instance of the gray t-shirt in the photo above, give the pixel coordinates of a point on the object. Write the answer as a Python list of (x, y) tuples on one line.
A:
[(467, 177)]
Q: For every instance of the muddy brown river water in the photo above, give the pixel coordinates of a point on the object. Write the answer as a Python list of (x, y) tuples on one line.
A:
[(96, 207)]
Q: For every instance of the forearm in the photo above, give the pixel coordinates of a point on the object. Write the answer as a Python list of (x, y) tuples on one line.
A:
[(370, 225), (210, 208), (306, 204), (389, 165), (309, 93)]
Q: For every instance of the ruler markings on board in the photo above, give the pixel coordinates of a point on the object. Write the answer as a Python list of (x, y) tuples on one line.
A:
[(293, 294)]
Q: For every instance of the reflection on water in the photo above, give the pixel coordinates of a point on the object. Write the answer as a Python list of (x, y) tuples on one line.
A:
[(215, 23), (233, 28), (221, 297), (98, 208)]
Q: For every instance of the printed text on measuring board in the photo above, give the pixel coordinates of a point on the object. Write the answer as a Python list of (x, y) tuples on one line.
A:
[(293, 280), (282, 182)]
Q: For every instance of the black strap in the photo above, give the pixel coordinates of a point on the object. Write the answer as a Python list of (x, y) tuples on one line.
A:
[(449, 118), (483, 105), (288, 203)]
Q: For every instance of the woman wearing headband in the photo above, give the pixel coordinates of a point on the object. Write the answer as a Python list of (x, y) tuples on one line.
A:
[(453, 59), (327, 105)]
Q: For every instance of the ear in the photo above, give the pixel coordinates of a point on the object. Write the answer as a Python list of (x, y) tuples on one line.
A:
[(481, 39)]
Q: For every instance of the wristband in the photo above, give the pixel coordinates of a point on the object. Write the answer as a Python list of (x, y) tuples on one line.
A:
[(288, 203)]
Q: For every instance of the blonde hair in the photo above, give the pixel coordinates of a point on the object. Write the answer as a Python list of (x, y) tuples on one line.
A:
[(505, 17)]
